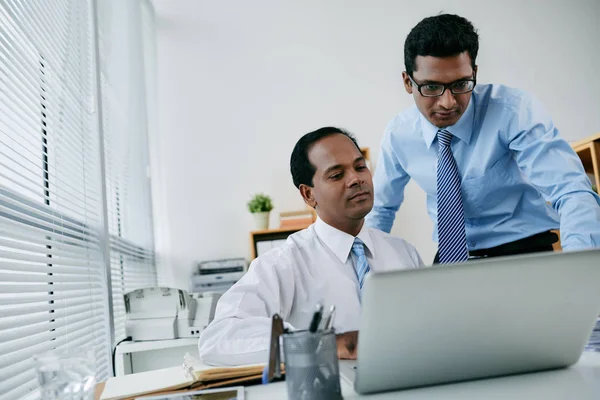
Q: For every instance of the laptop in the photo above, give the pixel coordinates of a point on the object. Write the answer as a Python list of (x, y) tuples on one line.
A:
[(480, 319)]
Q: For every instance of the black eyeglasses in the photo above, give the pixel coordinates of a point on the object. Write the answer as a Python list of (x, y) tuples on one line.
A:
[(438, 89)]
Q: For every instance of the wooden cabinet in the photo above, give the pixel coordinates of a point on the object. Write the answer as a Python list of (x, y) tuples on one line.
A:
[(266, 238)]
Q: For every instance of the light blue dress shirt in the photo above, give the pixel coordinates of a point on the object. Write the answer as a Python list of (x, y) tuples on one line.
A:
[(511, 160)]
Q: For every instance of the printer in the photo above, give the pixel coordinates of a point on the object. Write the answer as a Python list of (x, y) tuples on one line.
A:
[(158, 313), (217, 275)]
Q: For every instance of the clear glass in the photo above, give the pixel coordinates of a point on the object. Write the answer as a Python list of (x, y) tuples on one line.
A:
[(66, 374)]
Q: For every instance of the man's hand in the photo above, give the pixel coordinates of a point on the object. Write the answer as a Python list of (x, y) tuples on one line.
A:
[(346, 345)]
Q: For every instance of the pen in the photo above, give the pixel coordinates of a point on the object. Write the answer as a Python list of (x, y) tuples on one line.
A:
[(272, 370), (316, 319), (330, 317), (326, 320)]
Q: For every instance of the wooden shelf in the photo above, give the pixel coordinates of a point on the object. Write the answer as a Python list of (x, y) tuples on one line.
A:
[(578, 143), (269, 235), (366, 153), (588, 150), (274, 231)]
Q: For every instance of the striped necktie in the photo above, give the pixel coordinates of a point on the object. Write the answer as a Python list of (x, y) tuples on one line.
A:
[(452, 238), (361, 266)]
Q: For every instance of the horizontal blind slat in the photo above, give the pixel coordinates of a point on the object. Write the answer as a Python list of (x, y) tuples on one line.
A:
[(58, 230), (51, 330), (31, 309), (54, 236), (40, 277), (97, 272), (48, 248), (17, 323), (11, 358), (21, 208), (21, 375), (11, 299), (37, 288), (29, 29)]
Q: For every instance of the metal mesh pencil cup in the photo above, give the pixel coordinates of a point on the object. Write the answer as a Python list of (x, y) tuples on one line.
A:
[(311, 366)]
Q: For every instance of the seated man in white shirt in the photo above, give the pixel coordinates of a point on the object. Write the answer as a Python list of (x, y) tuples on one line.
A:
[(315, 265)]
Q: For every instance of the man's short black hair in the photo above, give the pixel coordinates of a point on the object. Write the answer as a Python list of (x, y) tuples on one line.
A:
[(443, 35), (302, 170)]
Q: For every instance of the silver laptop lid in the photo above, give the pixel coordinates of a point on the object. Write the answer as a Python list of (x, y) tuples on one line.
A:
[(480, 319)]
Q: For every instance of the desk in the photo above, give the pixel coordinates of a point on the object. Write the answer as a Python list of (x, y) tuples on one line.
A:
[(581, 382)]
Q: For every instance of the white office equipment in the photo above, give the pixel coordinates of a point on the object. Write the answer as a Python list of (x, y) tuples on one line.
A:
[(159, 313), (217, 275), (479, 319), (149, 355)]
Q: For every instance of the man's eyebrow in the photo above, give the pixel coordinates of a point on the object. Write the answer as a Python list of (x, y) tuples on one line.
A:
[(332, 168), (339, 166), (428, 82)]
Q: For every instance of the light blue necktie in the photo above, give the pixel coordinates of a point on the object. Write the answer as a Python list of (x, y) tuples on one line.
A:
[(452, 238), (361, 266)]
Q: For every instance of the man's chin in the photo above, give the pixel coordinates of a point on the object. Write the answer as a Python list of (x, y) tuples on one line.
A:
[(441, 122), (361, 211)]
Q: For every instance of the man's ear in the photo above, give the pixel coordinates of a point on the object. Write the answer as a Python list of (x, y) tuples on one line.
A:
[(475, 73), (308, 195), (407, 83)]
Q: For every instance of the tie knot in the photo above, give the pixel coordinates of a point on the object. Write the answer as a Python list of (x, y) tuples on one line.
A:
[(358, 247), (444, 137)]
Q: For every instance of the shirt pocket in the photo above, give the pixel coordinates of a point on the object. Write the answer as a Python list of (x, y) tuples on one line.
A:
[(483, 194)]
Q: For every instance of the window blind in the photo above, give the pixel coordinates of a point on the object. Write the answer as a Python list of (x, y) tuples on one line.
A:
[(75, 202), (53, 291), (124, 127)]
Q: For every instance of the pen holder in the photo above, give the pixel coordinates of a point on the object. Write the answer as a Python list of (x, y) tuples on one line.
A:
[(311, 365)]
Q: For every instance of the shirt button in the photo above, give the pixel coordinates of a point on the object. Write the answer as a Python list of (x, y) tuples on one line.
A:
[(472, 244)]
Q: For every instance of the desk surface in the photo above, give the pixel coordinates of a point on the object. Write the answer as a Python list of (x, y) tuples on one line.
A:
[(132, 347), (581, 381)]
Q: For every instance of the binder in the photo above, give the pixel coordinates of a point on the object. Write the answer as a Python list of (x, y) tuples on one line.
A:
[(191, 375)]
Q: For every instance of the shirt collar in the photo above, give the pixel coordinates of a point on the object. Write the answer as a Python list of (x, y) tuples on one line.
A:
[(340, 243), (462, 129)]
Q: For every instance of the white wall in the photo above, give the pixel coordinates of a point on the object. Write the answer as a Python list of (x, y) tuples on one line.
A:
[(240, 81)]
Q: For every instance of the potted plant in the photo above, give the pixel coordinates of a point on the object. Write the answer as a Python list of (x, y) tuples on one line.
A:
[(260, 206)]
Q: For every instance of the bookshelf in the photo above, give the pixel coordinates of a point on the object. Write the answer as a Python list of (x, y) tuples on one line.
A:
[(588, 150), (270, 237)]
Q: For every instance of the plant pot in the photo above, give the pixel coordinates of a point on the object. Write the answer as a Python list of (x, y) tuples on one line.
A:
[(261, 219)]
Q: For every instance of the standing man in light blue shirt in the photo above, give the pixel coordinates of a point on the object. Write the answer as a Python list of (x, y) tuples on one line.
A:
[(498, 176)]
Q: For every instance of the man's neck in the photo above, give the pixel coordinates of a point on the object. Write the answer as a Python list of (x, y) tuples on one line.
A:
[(352, 228)]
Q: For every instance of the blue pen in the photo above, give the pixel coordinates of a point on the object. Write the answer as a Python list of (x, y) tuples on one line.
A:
[(265, 375)]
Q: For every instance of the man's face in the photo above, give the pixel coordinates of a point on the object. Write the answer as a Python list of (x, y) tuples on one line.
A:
[(444, 110), (342, 191)]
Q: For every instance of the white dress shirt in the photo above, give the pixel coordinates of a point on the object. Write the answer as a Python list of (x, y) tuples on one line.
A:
[(314, 265)]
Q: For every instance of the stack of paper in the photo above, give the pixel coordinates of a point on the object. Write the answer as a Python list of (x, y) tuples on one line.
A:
[(594, 343), (297, 219), (192, 375), (128, 386)]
